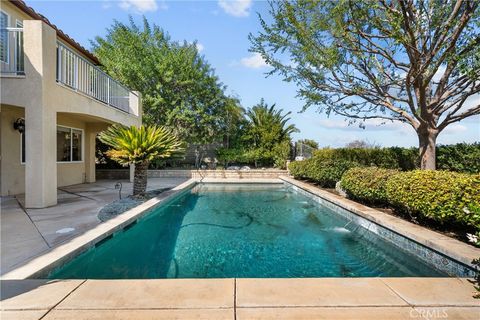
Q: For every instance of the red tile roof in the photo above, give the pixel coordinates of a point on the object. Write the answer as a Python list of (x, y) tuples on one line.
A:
[(20, 4)]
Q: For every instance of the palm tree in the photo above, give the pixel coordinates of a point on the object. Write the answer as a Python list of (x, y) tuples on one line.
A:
[(269, 132), (264, 118), (139, 146)]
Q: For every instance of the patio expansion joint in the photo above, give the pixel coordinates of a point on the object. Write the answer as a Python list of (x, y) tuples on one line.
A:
[(30, 218), (235, 298), (396, 293), (143, 308), (77, 194), (63, 299)]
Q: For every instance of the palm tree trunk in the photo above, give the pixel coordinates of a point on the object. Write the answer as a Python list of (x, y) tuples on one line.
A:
[(140, 178)]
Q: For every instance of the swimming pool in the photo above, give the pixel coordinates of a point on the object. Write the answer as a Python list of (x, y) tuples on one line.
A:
[(244, 230)]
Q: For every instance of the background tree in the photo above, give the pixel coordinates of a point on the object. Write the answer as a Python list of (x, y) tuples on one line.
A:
[(361, 144), (416, 62), (267, 129), (179, 88), (139, 146)]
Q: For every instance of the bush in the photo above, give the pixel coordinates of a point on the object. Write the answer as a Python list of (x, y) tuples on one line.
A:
[(324, 172), (443, 196), (461, 157), (281, 153), (367, 184)]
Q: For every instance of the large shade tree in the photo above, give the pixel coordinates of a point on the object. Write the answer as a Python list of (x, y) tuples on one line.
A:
[(417, 62), (179, 87)]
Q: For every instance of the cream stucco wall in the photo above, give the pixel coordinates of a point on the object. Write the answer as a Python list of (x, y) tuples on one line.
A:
[(12, 170), (12, 178), (45, 103)]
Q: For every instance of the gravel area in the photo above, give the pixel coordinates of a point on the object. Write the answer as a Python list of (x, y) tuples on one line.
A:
[(120, 206)]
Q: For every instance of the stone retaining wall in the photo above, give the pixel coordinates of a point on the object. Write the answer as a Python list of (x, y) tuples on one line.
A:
[(121, 174)]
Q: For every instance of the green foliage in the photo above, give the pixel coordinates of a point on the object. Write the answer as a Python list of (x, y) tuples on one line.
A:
[(281, 153), (268, 126), (444, 196), (322, 170), (461, 157), (179, 88), (262, 137), (391, 158), (228, 156), (364, 59), (367, 185), (140, 145)]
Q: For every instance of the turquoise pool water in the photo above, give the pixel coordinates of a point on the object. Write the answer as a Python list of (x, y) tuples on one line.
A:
[(217, 231)]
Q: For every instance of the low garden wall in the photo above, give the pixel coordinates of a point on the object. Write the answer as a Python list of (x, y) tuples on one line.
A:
[(122, 174)]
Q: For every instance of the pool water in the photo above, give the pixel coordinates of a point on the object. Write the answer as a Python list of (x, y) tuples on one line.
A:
[(219, 230)]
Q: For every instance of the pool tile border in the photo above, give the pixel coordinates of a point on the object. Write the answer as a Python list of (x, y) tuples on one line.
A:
[(40, 266), (446, 254)]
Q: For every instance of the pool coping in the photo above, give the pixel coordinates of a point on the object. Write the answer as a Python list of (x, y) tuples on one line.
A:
[(450, 247)]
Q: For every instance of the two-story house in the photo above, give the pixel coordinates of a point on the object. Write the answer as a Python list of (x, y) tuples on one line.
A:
[(54, 100)]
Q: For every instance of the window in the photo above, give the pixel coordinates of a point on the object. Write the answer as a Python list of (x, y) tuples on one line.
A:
[(69, 144), (3, 37)]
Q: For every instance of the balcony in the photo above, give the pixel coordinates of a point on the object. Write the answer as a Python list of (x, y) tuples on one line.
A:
[(81, 75), (72, 71), (11, 52)]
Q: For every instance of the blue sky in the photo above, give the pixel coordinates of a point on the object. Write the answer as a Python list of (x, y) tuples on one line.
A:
[(221, 29)]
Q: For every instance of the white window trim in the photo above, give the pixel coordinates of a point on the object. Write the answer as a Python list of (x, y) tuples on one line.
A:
[(71, 149), (62, 162), (18, 23), (8, 47)]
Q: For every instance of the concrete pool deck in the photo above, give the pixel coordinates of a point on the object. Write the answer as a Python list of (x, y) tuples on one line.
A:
[(314, 298)]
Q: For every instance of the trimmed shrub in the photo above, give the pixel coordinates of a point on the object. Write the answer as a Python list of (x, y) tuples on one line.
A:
[(367, 184), (446, 197), (324, 172), (390, 158), (460, 157)]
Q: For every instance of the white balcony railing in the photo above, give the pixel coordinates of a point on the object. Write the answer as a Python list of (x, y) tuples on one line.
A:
[(11, 51), (81, 75)]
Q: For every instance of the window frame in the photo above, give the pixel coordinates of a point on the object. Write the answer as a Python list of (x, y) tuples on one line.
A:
[(82, 143), (8, 47), (71, 144)]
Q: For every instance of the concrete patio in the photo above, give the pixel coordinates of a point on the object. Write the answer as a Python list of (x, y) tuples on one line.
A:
[(27, 233), (328, 298)]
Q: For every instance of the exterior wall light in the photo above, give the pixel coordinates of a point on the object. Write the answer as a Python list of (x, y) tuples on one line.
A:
[(19, 125)]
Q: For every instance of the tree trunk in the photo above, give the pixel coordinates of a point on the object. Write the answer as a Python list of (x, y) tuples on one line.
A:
[(427, 143), (140, 179)]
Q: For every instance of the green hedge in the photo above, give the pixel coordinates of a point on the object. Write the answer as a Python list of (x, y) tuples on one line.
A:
[(322, 171), (461, 157), (367, 185), (391, 158), (439, 195)]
